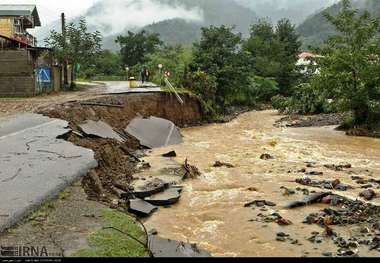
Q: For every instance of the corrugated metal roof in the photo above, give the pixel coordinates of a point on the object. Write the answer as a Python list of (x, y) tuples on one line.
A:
[(21, 10)]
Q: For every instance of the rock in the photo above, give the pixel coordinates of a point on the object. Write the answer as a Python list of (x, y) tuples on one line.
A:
[(266, 156), (284, 222), (327, 199), (287, 191), (368, 194), (327, 254), (281, 239), (167, 248), (314, 173), (260, 203), (141, 208), (168, 197), (282, 234), (252, 189), (153, 232), (221, 164), (170, 154), (340, 167)]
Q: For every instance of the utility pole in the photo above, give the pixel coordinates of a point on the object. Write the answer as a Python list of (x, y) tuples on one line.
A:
[(65, 70)]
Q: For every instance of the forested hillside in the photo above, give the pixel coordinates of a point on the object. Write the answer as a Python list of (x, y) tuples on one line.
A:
[(315, 30)]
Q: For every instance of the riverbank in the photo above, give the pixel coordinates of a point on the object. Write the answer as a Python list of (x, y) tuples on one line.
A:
[(229, 211)]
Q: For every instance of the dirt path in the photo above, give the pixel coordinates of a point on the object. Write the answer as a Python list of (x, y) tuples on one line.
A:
[(211, 211), (9, 106)]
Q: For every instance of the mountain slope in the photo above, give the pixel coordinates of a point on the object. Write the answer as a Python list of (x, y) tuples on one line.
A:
[(296, 10), (316, 29)]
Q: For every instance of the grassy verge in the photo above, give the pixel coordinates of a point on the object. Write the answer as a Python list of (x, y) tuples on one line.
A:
[(113, 243)]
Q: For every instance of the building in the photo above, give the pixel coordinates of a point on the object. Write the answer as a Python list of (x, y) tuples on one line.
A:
[(14, 22), (305, 62), (25, 69)]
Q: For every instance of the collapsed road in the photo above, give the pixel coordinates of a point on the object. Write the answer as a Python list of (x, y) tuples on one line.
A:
[(243, 198), (35, 165)]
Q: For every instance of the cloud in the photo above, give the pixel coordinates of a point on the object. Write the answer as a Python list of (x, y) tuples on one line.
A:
[(113, 16)]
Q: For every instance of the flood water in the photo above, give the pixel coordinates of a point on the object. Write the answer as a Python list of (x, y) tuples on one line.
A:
[(211, 211)]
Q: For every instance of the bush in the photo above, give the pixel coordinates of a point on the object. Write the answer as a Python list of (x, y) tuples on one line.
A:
[(280, 103), (205, 87)]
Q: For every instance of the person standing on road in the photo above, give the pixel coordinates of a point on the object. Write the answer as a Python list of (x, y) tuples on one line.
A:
[(143, 75), (147, 75)]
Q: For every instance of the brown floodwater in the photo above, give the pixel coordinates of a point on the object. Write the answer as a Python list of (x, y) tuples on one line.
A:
[(211, 211)]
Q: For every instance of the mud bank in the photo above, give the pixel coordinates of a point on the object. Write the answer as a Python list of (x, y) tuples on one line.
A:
[(127, 107), (117, 160)]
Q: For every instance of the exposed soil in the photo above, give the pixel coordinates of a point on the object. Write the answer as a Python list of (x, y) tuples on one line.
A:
[(117, 161)]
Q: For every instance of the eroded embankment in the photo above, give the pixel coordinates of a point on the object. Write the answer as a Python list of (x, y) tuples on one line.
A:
[(117, 162)]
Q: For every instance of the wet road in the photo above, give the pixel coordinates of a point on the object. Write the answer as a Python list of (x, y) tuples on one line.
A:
[(35, 165), (211, 212)]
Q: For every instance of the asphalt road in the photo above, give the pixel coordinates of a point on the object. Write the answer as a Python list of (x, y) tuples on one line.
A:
[(34, 165)]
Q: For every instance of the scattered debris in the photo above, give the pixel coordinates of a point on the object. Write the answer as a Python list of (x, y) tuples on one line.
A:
[(266, 156), (154, 132), (260, 203), (339, 167), (191, 171), (314, 173), (170, 154), (311, 199), (331, 185), (141, 208), (283, 222), (287, 191), (167, 248), (100, 129), (168, 197), (368, 194), (221, 164)]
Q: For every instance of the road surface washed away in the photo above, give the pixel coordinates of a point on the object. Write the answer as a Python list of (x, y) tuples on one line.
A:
[(214, 210)]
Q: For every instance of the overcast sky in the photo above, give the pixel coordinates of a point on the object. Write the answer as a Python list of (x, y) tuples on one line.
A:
[(51, 10)]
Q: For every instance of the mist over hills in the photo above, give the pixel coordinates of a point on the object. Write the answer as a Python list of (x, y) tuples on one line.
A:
[(179, 21)]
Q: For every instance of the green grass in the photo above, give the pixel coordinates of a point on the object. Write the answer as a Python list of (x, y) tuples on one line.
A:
[(111, 243)]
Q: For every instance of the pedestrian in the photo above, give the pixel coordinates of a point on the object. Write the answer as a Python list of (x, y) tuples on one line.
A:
[(147, 75), (143, 75)]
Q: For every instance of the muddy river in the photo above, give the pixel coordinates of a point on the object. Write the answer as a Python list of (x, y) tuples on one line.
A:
[(211, 211)]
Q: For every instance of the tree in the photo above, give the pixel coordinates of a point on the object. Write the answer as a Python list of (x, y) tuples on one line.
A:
[(290, 48), (107, 63), (174, 59), (79, 47), (219, 55), (273, 52), (135, 47), (349, 70)]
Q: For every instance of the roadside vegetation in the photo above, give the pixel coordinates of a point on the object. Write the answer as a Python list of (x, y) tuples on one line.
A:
[(227, 71), (123, 237)]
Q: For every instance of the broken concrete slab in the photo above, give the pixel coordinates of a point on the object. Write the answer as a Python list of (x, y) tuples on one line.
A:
[(100, 129), (141, 208), (168, 197), (152, 187), (35, 165), (154, 132), (161, 247)]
